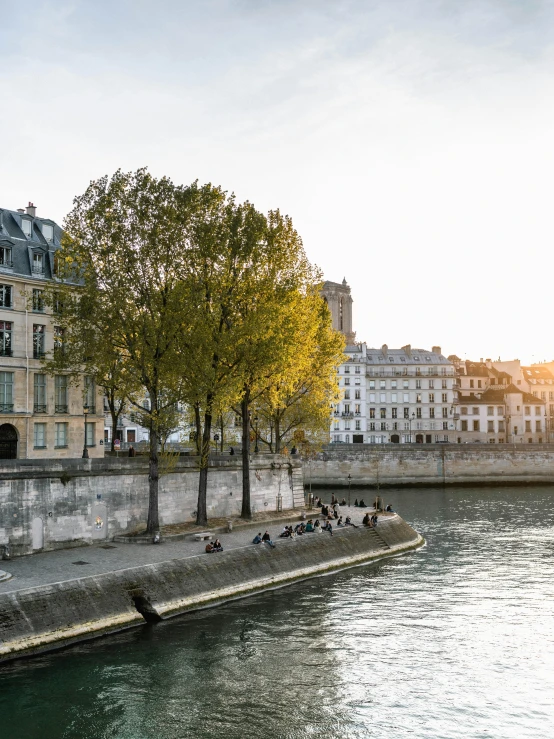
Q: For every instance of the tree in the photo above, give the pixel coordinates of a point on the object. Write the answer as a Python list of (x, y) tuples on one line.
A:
[(120, 280)]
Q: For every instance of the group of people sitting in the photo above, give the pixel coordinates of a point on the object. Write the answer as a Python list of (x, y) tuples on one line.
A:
[(265, 539), (370, 521), (310, 527), (214, 546)]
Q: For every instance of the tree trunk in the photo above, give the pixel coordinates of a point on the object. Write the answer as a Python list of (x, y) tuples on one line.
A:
[(153, 524), (246, 511), (198, 424), (277, 433), (201, 507)]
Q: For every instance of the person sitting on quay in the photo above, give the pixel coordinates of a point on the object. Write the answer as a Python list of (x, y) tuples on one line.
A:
[(333, 500), (339, 522), (356, 503), (217, 546), (343, 502), (309, 526), (317, 526), (362, 504), (299, 529), (336, 510), (209, 548), (366, 520), (258, 538), (389, 509), (328, 527), (266, 538), (348, 522), (374, 519), (285, 533)]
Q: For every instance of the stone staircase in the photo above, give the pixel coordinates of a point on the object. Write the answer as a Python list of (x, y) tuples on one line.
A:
[(296, 481)]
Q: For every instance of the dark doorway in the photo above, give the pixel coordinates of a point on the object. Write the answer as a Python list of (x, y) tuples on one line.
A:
[(395, 439), (428, 438), (357, 438), (419, 439), (8, 441), (131, 435)]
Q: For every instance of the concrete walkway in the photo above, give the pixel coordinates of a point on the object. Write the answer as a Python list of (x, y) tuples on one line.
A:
[(47, 568)]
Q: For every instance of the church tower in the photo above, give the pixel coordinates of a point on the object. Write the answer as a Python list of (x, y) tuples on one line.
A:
[(338, 298)]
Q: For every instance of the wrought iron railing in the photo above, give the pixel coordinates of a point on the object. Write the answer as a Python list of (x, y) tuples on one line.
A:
[(6, 407), (6, 351), (40, 407), (60, 408)]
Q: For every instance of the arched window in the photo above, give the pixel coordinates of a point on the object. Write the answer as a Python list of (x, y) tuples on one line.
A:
[(341, 313)]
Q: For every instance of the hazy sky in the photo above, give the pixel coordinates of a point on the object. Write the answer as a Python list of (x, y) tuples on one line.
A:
[(411, 141)]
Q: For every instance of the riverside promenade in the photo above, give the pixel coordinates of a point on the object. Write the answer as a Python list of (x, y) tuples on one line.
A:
[(61, 597)]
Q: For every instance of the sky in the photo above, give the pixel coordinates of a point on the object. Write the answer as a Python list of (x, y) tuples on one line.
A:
[(411, 141)]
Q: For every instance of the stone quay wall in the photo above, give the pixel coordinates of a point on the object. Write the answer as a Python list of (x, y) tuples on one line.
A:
[(42, 618), (391, 465), (52, 504)]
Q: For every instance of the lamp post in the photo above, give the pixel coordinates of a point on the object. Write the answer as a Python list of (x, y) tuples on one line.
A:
[(411, 418), (85, 413), (349, 486), (256, 450)]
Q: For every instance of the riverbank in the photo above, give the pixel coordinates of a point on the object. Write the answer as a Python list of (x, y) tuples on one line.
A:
[(46, 605)]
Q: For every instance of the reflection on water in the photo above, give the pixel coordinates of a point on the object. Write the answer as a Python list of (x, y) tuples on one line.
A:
[(454, 640)]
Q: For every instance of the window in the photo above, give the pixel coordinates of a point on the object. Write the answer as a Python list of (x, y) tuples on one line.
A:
[(543, 395), (38, 341), (61, 435), (357, 409), (535, 394), (383, 397), (357, 394), (538, 410), (418, 398), (91, 434), (90, 394), (445, 427), (550, 395), (527, 425), (383, 427), (383, 412), (59, 340), (357, 370), (6, 338), (358, 425), (431, 412), (347, 425), (501, 426), (405, 384), (538, 426), (38, 263), (475, 411), (347, 394), (445, 397), (336, 426), (476, 426), (478, 383), (417, 369), (372, 426), (6, 296), (61, 393), (48, 232), (26, 226), (463, 411), (372, 412), (418, 384), (394, 397), (464, 425), (39, 392), (445, 384), (499, 410), (445, 412), (6, 392), (372, 397), (395, 412), (5, 256), (431, 397), (406, 398), (515, 430), (418, 412), (39, 436), (527, 410), (551, 410), (471, 383), (347, 370), (372, 384), (393, 384), (382, 385), (347, 380), (406, 412), (431, 384), (38, 302), (347, 407), (490, 427)]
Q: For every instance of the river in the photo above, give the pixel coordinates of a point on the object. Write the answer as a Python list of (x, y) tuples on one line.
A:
[(454, 640)]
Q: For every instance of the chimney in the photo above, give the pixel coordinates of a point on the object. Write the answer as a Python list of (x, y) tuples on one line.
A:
[(21, 210), (385, 350), (31, 210), (481, 360), (436, 350), (407, 350)]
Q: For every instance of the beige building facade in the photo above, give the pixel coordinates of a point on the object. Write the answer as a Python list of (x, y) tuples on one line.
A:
[(41, 416)]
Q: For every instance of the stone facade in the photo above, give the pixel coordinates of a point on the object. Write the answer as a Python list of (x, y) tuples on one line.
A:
[(40, 416)]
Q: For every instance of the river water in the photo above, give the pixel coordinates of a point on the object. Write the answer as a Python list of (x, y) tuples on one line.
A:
[(454, 640)]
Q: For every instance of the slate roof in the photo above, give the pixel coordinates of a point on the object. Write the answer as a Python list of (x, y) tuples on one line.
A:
[(22, 247), (537, 373), (494, 395)]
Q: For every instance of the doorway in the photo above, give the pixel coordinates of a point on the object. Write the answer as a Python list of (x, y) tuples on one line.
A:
[(419, 439), (395, 439), (8, 441), (428, 438)]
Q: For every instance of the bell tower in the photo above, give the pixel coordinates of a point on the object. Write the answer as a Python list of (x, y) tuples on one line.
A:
[(339, 300)]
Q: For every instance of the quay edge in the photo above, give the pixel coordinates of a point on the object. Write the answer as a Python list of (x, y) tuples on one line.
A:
[(44, 618)]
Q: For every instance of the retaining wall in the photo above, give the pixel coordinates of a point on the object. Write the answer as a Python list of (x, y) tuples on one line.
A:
[(434, 464), (51, 504), (42, 618)]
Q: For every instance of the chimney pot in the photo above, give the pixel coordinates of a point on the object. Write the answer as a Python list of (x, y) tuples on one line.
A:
[(436, 350), (31, 210)]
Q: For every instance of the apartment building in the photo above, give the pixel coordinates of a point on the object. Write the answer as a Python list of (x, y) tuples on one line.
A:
[(40, 416), (395, 396)]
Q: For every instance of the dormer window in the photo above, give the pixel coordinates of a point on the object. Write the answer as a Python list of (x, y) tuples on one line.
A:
[(48, 232), (5, 256), (38, 263), (26, 227)]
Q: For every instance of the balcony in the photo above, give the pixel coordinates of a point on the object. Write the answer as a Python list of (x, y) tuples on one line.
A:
[(6, 351), (40, 408), (38, 270), (347, 414), (61, 408), (6, 407), (38, 354)]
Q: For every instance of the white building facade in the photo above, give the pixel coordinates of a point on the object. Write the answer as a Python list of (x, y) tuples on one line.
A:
[(396, 396)]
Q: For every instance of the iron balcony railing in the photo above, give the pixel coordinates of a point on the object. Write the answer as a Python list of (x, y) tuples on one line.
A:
[(40, 407), (61, 408), (6, 407), (6, 351)]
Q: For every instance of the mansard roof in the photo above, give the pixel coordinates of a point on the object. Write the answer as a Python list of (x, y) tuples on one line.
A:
[(22, 247)]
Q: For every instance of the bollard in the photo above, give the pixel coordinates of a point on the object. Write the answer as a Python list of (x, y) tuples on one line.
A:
[(229, 525), (5, 551)]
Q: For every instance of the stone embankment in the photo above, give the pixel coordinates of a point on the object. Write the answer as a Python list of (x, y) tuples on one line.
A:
[(392, 465), (59, 613)]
